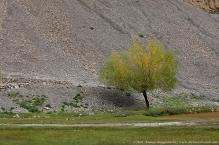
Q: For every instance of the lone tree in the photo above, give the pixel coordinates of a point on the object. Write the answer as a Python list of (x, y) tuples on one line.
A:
[(141, 69)]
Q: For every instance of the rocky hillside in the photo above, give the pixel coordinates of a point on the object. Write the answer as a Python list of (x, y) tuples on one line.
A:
[(207, 5), (68, 40)]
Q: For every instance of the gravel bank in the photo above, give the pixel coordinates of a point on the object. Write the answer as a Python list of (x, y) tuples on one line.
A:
[(116, 124)]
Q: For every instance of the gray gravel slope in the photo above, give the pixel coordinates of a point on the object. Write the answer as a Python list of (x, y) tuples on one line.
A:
[(69, 39)]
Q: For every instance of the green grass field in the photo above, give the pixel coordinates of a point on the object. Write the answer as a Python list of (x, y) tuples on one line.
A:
[(129, 135), (105, 135)]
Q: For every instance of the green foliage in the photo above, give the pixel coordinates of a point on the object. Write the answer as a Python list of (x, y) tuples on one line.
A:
[(30, 102), (38, 101), (78, 97), (108, 87), (48, 105), (14, 95), (76, 103), (173, 102), (166, 111), (128, 94), (141, 35), (12, 108), (141, 69)]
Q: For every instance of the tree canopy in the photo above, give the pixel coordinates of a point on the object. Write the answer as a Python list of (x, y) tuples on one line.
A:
[(141, 68)]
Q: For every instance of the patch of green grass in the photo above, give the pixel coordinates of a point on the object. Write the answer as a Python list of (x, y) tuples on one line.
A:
[(76, 103), (105, 135), (173, 102), (14, 95), (126, 116), (38, 101), (12, 108), (30, 102), (194, 96), (180, 100), (78, 97), (179, 110), (80, 117)]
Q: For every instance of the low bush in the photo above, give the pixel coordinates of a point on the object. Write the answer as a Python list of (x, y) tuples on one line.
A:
[(179, 110), (30, 102)]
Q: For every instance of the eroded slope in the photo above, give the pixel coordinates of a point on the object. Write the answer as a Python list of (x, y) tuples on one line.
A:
[(69, 39)]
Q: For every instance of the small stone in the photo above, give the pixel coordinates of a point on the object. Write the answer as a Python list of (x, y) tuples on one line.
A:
[(2, 89), (91, 113), (47, 108), (16, 87), (16, 116)]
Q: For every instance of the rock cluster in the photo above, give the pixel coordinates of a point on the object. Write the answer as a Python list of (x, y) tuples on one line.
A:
[(7, 86), (15, 83)]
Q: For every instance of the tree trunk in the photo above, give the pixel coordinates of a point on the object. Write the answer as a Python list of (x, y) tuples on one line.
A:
[(146, 99)]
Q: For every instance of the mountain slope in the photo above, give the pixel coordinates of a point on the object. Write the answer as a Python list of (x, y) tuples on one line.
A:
[(69, 39)]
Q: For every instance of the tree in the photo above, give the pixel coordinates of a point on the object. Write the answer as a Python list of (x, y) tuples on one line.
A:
[(141, 68)]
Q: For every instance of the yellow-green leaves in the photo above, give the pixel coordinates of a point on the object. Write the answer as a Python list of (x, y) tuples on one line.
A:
[(140, 68)]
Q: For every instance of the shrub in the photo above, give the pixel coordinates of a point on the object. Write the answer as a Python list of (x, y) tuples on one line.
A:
[(38, 101), (48, 105), (12, 108), (178, 110), (141, 35)]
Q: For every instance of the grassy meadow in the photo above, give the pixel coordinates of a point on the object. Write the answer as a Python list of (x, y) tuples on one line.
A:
[(127, 135), (169, 110), (107, 135)]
